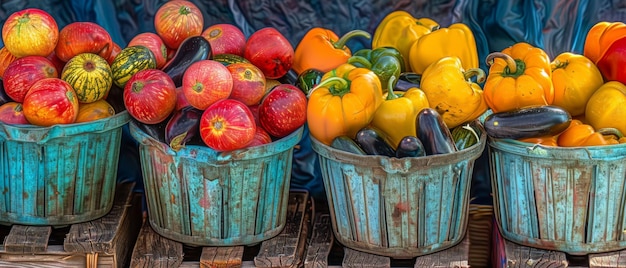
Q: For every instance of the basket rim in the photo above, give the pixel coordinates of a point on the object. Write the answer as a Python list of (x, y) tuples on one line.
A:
[(202, 151)]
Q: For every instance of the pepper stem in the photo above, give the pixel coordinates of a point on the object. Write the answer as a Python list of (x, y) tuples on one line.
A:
[(611, 131), (390, 94), (510, 62), (342, 41), (479, 73), (360, 61), (336, 86), (557, 64)]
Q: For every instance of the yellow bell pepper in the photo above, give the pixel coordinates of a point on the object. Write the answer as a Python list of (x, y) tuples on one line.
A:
[(451, 93), (399, 29), (606, 107), (519, 76), (456, 40), (343, 102), (575, 78), (396, 115)]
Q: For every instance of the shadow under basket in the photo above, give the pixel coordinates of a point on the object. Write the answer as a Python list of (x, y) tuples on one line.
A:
[(201, 197), (398, 207), (59, 175), (556, 198)]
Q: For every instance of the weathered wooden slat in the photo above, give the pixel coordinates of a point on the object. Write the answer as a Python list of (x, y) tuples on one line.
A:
[(608, 260), (122, 237), (282, 250), (454, 257), (320, 244), (152, 250), (221, 257), (354, 258), (100, 235), (27, 239)]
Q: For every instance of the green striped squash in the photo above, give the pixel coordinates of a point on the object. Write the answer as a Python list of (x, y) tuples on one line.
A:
[(130, 61), (227, 59), (89, 75)]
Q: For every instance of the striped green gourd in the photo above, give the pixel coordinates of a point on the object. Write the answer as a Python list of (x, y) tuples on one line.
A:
[(130, 61), (89, 75)]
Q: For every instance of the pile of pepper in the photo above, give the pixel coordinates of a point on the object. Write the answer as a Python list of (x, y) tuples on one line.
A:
[(415, 64)]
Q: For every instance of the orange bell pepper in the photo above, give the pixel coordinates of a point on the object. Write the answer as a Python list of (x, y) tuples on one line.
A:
[(323, 50), (600, 37), (543, 140), (343, 102), (519, 76), (579, 134)]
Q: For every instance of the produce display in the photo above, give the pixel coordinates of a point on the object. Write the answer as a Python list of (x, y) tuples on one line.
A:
[(417, 91)]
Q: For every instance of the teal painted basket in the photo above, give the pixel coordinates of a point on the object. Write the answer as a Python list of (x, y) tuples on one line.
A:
[(61, 174), (398, 207), (566, 199), (201, 197)]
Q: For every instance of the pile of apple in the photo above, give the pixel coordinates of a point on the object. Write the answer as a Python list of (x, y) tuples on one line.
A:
[(230, 105)]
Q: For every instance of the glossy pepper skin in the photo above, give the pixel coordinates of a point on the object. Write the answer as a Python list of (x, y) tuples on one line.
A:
[(575, 78), (579, 134), (451, 93), (457, 40), (606, 108), (322, 49), (543, 140), (343, 103), (308, 79), (600, 36), (399, 29), (519, 76), (383, 61), (396, 115)]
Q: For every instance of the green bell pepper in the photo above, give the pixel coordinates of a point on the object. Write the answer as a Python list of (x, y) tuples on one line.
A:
[(385, 62), (308, 79)]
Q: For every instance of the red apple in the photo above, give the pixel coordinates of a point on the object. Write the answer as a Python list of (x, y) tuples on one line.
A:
[(225, 39), (30, 31), (269, 50), (150, 96), (283, 110), (227, 125), (255, 112), (153, 42), (79, 37), (12, 113), (176, 20), (5, 59), (50, 101), (22, 73), (248, 83), (261, 137), (205, 82)]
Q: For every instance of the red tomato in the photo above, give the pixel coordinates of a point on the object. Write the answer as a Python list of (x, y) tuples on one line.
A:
[(227, 125), (50, 101), (205, 82), (30, 31), (176, 20), (150, 96)]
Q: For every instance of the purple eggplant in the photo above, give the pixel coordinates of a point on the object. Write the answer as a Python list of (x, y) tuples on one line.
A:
[(191, 50), (156, 131), (4, 98), (182, 127)]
